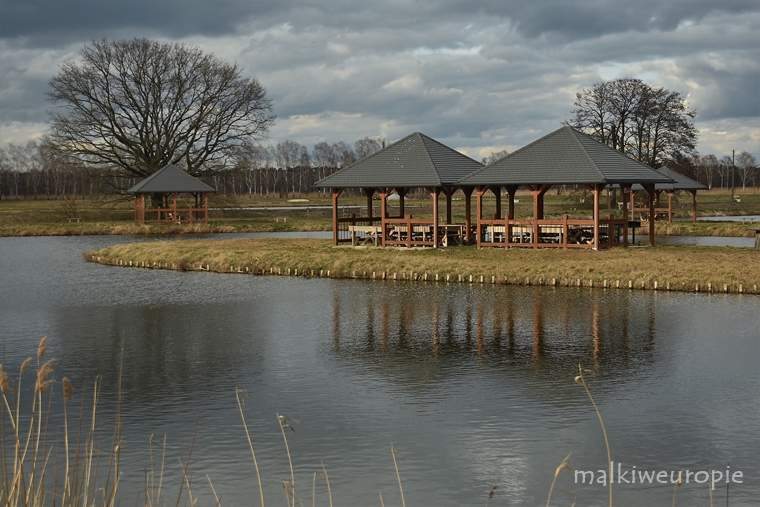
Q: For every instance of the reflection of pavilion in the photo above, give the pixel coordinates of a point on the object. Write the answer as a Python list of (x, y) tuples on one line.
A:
[(543, 329)]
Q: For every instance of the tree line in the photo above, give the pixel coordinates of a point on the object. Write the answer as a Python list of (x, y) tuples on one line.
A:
[(37, 170)]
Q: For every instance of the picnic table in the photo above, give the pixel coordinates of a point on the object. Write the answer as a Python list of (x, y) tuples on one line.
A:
[(365, 235)]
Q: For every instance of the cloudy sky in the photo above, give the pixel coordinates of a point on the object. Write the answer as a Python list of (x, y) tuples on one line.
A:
[(479, 76)]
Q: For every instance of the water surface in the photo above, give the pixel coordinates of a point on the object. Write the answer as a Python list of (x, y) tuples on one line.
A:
[(472, 384)]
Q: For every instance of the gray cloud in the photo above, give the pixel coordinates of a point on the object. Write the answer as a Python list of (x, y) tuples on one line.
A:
[(491, 74)]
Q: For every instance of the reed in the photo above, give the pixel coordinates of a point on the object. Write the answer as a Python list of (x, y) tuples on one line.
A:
[(28, 479)]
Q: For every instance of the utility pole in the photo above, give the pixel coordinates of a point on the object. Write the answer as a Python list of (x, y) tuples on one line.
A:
[(733, 177)]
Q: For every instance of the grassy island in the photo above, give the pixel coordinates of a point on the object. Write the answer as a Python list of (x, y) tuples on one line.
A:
[(679, 268)]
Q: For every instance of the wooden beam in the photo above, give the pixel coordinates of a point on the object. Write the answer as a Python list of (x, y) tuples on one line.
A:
[(694, 206)]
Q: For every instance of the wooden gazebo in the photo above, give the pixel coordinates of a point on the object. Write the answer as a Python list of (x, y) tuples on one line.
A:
[(680, 183), (416, 161), (163, 189), (564, 157)]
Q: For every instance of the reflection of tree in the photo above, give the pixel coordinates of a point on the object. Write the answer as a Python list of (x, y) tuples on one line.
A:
[(168, 352), (429, 332)]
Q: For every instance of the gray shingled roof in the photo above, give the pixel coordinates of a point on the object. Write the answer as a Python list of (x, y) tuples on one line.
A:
[(564, 157), (680, 182), (415, 161), (169, 180)]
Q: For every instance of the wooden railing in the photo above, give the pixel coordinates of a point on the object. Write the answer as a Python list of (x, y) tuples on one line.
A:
[(548, 233), (171, 215), (344, 235), (408, 232)]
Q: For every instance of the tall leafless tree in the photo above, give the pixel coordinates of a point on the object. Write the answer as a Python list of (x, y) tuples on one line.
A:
[(137, 105), (650, 124)]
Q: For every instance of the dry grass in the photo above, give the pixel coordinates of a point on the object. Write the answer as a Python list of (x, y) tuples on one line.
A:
[(669, 267)]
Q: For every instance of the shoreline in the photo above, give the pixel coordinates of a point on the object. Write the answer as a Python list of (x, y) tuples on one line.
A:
[(667, 268), (712, 228)]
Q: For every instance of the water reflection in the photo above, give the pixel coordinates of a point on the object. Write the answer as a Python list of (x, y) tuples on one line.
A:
[(539, 331)]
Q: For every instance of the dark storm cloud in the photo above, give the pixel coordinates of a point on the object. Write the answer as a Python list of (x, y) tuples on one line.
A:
[(52, 21)]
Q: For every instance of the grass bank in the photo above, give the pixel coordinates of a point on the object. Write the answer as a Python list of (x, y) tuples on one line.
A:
[(680, 268)]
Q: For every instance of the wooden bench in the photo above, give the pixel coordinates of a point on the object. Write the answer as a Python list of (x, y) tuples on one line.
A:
[(74, 219)]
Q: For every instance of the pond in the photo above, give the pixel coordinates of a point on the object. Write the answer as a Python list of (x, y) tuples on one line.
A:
[(473, 385)]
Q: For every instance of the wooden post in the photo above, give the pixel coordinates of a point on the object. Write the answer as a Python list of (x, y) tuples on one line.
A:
[(757, 239), (401, 194), (434, 193), (565, 231), (694, 206), (511, 190), (624, 189), (670, 207), (468, 214), (369, 192), (479, 211), (174, 217), (335, 193), (383, 212), (596, 191), (496, 190), (205, 207), (649, 187), (448, 192)]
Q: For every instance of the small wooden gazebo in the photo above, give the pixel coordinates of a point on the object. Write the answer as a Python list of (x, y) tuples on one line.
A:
[(680, 183), (416, 161), (164, 188), (564, 157)]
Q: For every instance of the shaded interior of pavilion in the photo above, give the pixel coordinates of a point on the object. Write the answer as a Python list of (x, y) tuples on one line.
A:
[(564, 157), (171, 196), (664, 209)]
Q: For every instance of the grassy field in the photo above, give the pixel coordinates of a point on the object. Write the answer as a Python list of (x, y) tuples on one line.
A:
[(683, 268), (44, 217)]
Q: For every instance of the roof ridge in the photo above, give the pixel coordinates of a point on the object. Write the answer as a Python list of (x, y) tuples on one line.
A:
[(584, 150), (423, 137)]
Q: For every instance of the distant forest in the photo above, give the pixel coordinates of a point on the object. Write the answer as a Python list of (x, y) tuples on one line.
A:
[(287, 169)]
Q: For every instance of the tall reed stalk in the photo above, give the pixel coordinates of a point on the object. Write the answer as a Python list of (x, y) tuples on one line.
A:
[(28, 478)]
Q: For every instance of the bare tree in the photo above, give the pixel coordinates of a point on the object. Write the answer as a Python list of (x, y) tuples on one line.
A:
[(708, 165), (138, 105), (494, 156), (747, 165), (651, 125), (367, 146)]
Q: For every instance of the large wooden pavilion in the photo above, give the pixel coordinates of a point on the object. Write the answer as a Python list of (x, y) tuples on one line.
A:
[(416, 161), (564, 157), (164, 188), (680, 183)]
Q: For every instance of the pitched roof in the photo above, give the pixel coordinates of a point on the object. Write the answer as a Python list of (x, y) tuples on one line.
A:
[(168, 180), (415, 161), (566, 156), (680, 181)]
